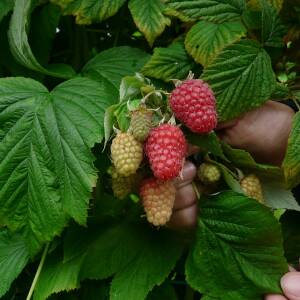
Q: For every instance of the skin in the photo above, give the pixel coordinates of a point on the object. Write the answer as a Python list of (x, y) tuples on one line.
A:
[(264, 133)]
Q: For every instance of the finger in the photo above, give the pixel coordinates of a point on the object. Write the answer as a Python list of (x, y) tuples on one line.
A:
[(275, 297), (185, 197), (184, 218), (187, 175), (290, 284), (227, 124)]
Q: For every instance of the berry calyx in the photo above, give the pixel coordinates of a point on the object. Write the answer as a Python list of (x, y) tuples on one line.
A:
[(166, 148), (193, 103), (126, 153), (158, 200)]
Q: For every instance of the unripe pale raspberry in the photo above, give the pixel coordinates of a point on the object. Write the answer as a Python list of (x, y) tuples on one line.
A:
[(193, 103), (126, 153), (166, 148), (251, 186), (122, 186), (209, 173), (140, 123), (158, 200)]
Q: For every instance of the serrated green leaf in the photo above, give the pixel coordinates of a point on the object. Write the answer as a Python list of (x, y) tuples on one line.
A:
[(277, 197), (46, 169), (89, 11), (115, 63), (13, 258), (290, 223), (205, 40), (158, 254), (291, 162), (19, 45), (241, 77), (137, 256), (168, 63), (148, 17), (272, 29), (211, 10), (57, 277), (231, 241), (5, 7)]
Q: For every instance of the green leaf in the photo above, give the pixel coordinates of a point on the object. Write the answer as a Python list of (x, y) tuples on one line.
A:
[(291, 162), (272, 29), (241, 78), (46, 169), (211, 10), (115, 63), (290, 222), (89, 11), (158, 254), (13, 258), (243, 159), (148, 17), (9, 64), (277, 197), (168, 63), (19, 45), (138, 257), (205, 40), (131, 87), (57, 277), (229, 177), (231, 241), (208, 142), (5, 7)]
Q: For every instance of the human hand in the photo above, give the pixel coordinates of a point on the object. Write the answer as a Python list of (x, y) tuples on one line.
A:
[(185, 207), (290, 284), (263, 132)]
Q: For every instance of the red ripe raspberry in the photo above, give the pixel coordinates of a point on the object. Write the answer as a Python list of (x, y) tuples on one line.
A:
[(166, 148), (158, 199), (193, 103)]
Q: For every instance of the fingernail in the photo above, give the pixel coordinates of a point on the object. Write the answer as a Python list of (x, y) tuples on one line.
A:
[(290, 284)]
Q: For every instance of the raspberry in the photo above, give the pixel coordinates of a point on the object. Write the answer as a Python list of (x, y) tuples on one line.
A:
[(158, 199), (126, 153), (140, 123), (166, 148), (251, 186), (209, 173), (193, 103), (122, 186)]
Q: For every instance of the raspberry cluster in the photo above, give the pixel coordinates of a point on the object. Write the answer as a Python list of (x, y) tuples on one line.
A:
[(164, 146)]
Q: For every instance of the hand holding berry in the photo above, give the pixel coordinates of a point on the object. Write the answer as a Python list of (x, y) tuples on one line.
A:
[(263, 132)]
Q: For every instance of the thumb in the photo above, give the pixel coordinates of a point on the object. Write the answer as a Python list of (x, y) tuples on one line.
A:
[(290, 284)]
